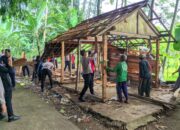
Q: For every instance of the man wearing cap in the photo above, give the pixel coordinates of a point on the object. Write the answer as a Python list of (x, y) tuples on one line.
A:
[(145, 76)]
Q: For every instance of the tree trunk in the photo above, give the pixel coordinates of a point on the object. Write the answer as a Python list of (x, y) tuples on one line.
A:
[(38, 44), (95, 8), (122, 3), (116, 4), (89, 10), (45, 24), (169, 39), (150, 11), (76, 4), (125, 2), (98, 7), (84, 5)]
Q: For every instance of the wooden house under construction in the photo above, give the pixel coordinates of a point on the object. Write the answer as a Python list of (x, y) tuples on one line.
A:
[(123, 30)]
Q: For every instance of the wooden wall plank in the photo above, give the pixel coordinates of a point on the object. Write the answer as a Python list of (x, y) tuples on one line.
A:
[(62, 61), (104, 65), (78, 66), (157, 63)]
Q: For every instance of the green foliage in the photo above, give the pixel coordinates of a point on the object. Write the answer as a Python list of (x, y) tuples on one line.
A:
[(28, 33), (13, 8), (24, 25)]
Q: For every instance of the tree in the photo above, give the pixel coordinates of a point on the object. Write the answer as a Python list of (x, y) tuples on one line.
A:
[(84, 5), (43, 20), (116, 4), (123, 3), (171, 29), (98, 7), (76, 4), (9, 8), (152, 7)]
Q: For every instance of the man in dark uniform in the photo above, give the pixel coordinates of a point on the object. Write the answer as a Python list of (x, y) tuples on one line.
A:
[(145, 76), (4, 73), (5, 60)]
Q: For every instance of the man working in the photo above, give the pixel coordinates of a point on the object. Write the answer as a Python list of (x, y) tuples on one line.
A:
[(2, 101), (145, 76), (92, 68), (47, 68), (4, 74), (2, 53), (86, 75), (67, 63), (121, 79), (7, 61)]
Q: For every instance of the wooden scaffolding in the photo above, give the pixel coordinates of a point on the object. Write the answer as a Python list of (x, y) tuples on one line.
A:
[(129, 24)]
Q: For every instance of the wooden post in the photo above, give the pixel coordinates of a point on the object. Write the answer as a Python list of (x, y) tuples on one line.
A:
[(54, 66), (20, 67), (62, 61), (97, 49), (104, 64), (78, 66), (70, 58), (157, 64), (137, 23), (127, 49), (98, 57)]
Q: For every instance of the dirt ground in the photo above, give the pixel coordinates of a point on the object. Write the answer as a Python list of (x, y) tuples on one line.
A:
[(164, 122), (36, 114), (171, 121), (62, 100), (72, 112)]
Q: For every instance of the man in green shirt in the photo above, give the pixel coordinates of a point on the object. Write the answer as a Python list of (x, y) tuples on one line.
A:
[(121, 79)]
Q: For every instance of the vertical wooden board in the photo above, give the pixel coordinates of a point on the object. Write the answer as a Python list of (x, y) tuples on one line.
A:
[(78, 65), (99, 60), (62, 61), (79, 59), (157, 64), (130, 25), (144, 28), (137, 23), (104, 65)]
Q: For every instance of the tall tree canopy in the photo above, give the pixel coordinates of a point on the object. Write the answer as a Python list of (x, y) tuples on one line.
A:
[(26, 25)]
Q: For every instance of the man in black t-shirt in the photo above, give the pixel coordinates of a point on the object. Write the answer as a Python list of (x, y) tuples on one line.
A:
[(7, 61), (4, 74), (145, 76)]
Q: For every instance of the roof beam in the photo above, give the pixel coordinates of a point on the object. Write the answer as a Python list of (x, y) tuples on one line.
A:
[(130, 35)]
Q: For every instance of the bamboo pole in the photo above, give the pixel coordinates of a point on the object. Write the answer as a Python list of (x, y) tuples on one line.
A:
[(127, 49), (62, 61), (97, 54), (157, 63), (99, 59), (54, 66), (78, 66), (104, 64), (79, 59)]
